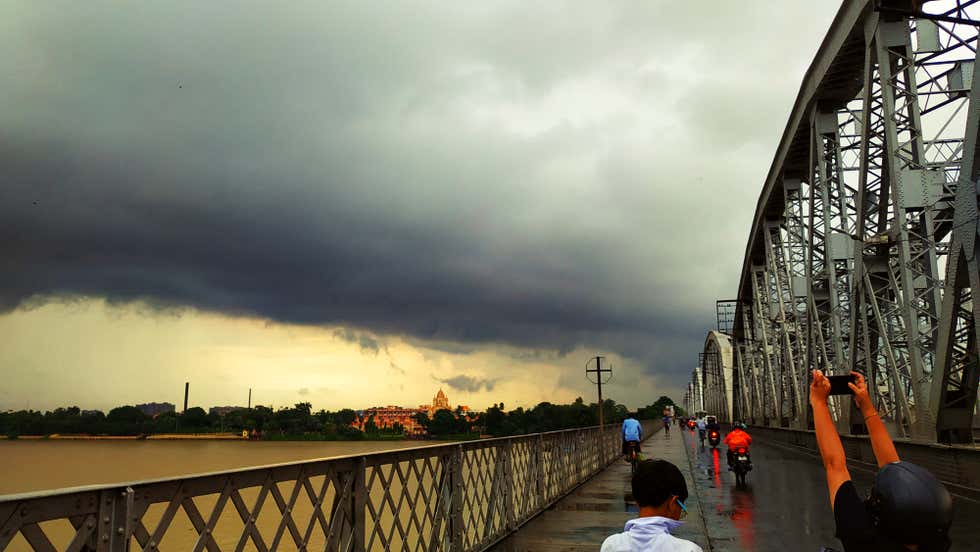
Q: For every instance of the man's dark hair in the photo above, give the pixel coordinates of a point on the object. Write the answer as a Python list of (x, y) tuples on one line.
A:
[(655, 481)]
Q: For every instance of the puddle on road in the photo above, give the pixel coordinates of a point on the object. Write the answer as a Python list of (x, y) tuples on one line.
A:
[(607, 503), (592, 507), (604, 496)]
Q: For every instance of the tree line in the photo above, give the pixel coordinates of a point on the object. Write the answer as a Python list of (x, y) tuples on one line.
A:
[(301, 422)]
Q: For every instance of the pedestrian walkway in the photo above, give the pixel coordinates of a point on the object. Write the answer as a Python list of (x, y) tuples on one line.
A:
[(601, 507)]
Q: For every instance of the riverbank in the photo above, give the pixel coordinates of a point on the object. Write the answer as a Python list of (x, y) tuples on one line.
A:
[(161, 436), (234, 437)]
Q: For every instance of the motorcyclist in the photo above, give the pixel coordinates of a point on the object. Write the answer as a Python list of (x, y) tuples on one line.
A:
[(737, 438), (711, 422)]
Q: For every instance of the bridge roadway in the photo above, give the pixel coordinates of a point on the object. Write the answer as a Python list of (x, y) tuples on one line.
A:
[(784, 507)]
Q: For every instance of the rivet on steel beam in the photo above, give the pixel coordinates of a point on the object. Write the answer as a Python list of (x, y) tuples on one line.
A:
[(119, 530), (105, 519), (105, 537), (91, 523)]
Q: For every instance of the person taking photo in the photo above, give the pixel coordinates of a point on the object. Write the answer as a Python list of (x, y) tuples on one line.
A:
[(907, 508)]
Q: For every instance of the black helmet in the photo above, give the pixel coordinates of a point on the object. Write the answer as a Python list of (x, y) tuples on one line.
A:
[(909, 505)]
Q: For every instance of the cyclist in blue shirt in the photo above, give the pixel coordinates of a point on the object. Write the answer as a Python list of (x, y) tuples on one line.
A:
[(632, 434)]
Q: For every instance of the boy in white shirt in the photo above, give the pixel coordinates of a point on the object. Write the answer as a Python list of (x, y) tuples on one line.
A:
[(660, 491)]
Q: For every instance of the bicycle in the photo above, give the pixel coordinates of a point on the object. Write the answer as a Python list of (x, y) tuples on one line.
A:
[(634, 456)]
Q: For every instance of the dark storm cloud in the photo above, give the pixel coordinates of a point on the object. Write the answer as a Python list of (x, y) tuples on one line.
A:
[(367, 343), (469, 384), (454, 174)]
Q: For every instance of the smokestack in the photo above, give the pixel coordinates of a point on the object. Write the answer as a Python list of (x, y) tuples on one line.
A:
[(249, 398), (187, 390)]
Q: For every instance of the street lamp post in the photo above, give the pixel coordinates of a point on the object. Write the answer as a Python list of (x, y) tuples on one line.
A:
[(598, 373)]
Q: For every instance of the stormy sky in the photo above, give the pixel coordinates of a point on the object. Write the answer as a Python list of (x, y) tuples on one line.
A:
[(469, 194)]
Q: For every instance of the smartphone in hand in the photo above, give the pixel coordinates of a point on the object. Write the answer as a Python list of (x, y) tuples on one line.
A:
[(838, 384)]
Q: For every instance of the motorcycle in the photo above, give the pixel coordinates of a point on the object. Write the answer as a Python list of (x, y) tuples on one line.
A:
[(741, 465), (714, 437)]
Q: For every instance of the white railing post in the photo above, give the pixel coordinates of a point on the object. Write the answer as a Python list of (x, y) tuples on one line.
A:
[(114, 526), (509, 486), (358, 512), (456, 519)]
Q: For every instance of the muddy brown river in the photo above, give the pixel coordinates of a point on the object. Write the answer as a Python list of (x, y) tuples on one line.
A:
[(33, 465)]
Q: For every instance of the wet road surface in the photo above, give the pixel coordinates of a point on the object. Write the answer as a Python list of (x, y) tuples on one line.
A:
[(785, 505), (602, 506)]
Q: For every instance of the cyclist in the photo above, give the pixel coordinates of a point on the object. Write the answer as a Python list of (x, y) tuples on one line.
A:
[(632, 435), (908, 508), (667, 425), (738, 437), (702, 428)]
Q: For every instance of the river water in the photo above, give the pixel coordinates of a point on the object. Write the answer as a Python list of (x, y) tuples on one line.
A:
[(33, 465)]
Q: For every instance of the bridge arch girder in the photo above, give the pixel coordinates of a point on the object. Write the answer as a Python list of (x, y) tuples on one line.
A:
[(862, 253)]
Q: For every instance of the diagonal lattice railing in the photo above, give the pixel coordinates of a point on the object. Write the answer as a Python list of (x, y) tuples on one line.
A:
[(457, 497)]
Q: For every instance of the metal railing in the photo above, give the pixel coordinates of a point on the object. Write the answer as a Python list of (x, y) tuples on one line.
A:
[(457, 497)]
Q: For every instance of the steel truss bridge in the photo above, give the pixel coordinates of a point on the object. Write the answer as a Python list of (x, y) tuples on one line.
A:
[(863, 251)]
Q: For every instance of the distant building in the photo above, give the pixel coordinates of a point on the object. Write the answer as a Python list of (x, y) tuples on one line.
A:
[(223, 410), (387, 416), (155, 409), (441, 402)]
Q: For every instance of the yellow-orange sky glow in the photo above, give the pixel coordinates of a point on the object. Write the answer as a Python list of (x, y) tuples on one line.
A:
[(95, 355)]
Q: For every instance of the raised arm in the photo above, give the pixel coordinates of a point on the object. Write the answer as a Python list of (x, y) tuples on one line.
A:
[(881, 442), (831, 449)]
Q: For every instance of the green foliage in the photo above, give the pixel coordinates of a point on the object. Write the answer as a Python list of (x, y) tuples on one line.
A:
[(547, 416), (370, 426), (125, 420), (128, 420), (300, 422), (656, 410)]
